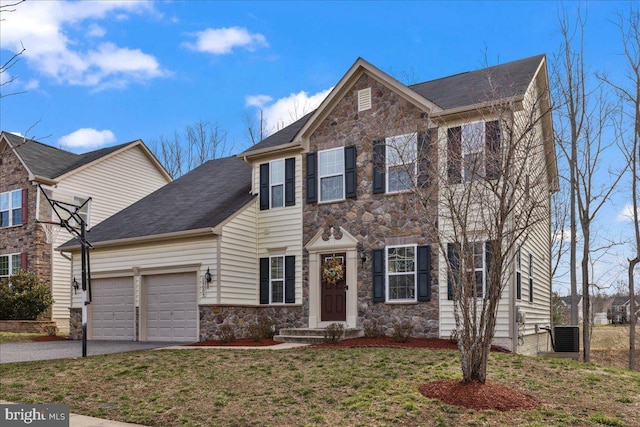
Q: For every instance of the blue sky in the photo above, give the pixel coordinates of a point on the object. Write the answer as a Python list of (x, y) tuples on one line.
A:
[(102, 73)]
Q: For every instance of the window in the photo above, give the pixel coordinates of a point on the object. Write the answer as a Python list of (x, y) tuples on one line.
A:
[(473, 151), (9, 264), (400, 168), (83, 212), (11, 208), (331, 174), (401, 273), (277, 183), (518, 273), (278, 279), (530, 277), (481, 256)]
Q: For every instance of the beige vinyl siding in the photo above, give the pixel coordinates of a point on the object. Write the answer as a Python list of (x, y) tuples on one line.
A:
[(113, 184), (238, 261), (154, 258), (280, 229)]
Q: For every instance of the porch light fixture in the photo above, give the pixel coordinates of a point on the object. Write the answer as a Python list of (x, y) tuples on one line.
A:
[(75, 286), (363, 255), (207, 277)]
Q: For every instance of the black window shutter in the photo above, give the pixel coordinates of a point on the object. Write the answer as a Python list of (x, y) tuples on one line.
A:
[(424, 162), (312, 177), (264, 280), (25, 203), (454, 155), (290, 279), (290, 182), (424, 273), (379, 166), (492, 149), (488, 257), (264, 186), (350, 187), (378, 275), (453, 255)]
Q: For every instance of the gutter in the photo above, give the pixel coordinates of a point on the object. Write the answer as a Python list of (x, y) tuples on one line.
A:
[(269, 151), (143, 239)]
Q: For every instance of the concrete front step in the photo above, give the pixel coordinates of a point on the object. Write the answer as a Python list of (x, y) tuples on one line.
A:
[(311, 335)]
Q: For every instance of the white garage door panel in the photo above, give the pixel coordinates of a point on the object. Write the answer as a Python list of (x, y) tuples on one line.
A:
[(112, 309), (171, 307)]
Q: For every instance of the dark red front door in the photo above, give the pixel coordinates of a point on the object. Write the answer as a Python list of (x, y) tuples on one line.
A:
[(333, 278)]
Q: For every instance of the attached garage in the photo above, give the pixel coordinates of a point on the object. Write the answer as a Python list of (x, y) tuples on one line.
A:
[(171, 307), (112, 309)]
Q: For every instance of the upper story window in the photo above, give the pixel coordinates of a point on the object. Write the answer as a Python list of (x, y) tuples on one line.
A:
[(10, 264), (277, 183), (478, 268), (331, 175), (11, 208), (473, 151), (480, 259), (401, 156)]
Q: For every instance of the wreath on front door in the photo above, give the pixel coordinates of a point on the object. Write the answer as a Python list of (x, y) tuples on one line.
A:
[(332, 271)]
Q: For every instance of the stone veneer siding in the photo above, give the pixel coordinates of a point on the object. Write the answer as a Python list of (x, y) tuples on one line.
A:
[(75, 323), (29, 237), (212, 317), (376, 220)]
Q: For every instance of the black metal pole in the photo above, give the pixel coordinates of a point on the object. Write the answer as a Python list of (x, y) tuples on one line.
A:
[(84, 289)]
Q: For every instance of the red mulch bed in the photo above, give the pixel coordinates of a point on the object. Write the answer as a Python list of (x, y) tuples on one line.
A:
[(478, 396), (49, 338), (241, 342)]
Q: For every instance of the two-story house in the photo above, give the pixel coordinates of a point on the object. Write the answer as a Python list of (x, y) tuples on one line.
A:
[(320, 222), (112, 177)]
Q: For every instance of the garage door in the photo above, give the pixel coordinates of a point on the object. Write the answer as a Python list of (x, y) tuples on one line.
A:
[(112, 309), (171, 307)]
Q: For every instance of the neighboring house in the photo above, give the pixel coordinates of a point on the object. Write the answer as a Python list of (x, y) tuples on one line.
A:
[(303, 228), (113, 177)]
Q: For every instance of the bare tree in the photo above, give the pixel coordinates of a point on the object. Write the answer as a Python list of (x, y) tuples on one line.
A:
[(198, 143), (5, 78), (629, 131), (255, 128), (491, 188), (583, 121)]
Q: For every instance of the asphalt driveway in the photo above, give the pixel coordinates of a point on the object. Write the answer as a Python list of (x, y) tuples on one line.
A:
[(29, 351)]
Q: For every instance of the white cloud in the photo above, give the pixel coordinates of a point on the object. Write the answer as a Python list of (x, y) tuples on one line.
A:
[(32, 84), (47, 29), (626, 214), (285, 111), (220, 41), (87, 138)]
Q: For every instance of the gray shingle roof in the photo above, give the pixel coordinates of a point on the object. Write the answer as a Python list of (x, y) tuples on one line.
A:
[(50, 162), (202, 198), (460, 90)]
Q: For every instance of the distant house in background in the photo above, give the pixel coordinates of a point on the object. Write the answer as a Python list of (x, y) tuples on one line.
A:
[(112, 177)]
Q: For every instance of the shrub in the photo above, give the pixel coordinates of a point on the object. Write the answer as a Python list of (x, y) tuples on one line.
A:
[(51, 330), (371, 329), (402, 331), (255, 331), (23, 296), (333, 333), (226, 333), (268, 327)]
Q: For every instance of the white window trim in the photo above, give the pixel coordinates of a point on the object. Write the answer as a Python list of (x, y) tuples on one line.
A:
[(10, 263), (388, 164), (387, 274), (271, 280), (11, 208), (272, 184), (480, 151), (320, 176)]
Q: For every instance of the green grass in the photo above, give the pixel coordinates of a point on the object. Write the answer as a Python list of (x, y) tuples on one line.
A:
[(323, 387), (9, 337)]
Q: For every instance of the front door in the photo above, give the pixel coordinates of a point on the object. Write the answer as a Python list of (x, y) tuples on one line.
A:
[(333, 279)]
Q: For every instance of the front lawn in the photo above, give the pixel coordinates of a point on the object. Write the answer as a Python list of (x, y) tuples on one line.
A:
[(324, 386)]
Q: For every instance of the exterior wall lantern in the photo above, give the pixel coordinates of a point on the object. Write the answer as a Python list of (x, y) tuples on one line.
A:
[(75, 286), (361, 252), (207, 277)]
